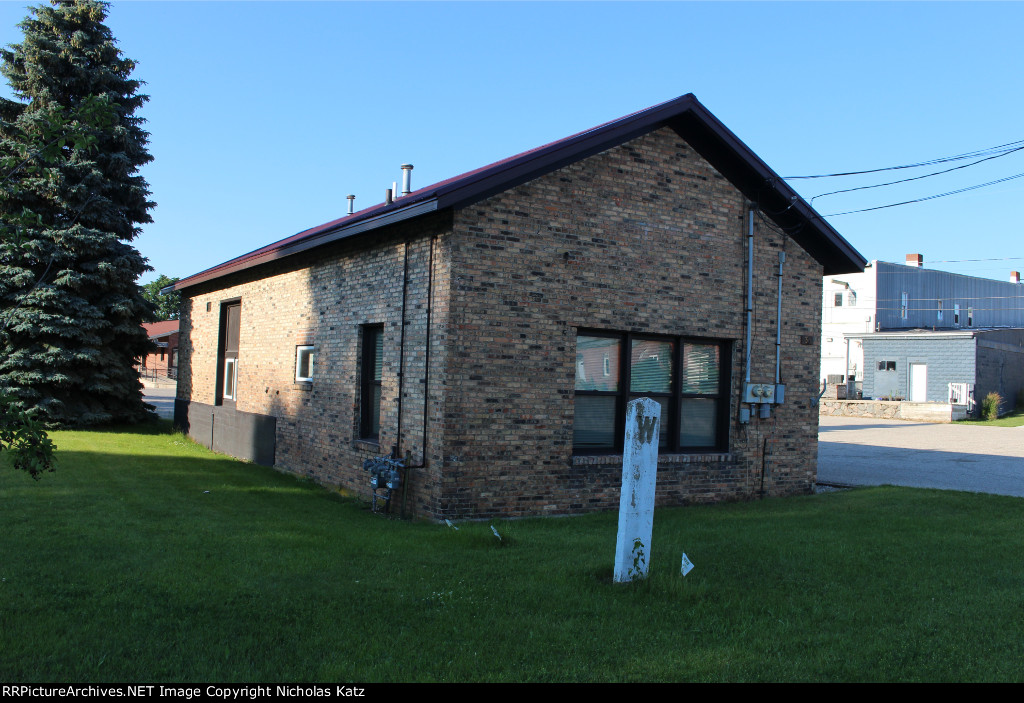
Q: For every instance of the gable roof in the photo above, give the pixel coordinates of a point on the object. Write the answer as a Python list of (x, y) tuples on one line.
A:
[(686, 115), (160, 329)]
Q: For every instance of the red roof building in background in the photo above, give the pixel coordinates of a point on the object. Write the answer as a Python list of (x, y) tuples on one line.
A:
[(163, 361)]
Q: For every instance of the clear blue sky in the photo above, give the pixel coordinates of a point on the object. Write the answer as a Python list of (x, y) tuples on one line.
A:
[(265, 115)]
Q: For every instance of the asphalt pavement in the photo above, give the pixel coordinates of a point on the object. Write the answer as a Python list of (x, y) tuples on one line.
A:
[(162, 398), (858, 451)]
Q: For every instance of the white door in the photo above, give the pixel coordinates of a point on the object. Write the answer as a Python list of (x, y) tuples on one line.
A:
[(918, 383)]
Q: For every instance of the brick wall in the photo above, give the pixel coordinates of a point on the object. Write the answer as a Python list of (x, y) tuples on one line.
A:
[(646, 237), (325, 299)]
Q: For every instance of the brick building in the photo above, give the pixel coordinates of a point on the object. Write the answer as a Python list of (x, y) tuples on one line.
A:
[(163, 360), (494, 325)]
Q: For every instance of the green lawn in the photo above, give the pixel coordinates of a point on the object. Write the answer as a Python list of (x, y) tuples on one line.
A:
[(147, 558), (1014, 418)]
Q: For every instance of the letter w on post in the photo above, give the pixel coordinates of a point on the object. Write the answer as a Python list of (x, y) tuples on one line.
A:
[(645, 427)]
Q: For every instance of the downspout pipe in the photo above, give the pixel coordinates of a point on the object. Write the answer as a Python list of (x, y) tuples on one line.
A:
[(401, 351), (778, 320), (750, 288), (407, 485)]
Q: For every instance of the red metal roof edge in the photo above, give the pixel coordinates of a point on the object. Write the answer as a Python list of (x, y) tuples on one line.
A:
[(470, 183), (161, 328), (422, 194)]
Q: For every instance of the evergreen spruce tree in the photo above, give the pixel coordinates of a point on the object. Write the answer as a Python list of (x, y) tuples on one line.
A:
[(71, 201)]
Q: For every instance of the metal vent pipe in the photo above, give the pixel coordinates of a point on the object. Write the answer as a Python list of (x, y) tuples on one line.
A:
[(406, 179)]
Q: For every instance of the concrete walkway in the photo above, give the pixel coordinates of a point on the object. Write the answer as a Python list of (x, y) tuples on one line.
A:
[(871, 452)]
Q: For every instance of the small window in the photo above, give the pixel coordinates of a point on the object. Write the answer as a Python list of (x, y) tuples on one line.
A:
[(956, 313), (851, 299), (903, 307), (174, 358), (970, 317), (304, 364), (938, 304), (838, 300), (230, 378), (162, 352), (886, 365)]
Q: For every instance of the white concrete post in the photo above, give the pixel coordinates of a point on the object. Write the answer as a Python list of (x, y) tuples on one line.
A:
[(636, 504)]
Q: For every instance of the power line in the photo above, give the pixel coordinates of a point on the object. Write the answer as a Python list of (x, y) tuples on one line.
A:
[(931, 162), (916, 178), (960, 261), (930, 197)]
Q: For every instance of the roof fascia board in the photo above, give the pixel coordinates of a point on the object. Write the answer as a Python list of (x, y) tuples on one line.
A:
[(332, 235)]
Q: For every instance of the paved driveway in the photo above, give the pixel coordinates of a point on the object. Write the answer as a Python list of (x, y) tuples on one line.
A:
[(162, 398), (870, 452)]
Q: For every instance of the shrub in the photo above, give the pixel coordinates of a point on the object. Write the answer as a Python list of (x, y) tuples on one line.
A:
[(990, 406)]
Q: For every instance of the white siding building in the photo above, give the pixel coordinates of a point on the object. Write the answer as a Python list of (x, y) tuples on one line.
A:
[(888, 297)]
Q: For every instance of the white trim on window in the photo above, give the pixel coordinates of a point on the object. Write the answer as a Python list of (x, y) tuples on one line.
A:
[(304, 355), (230, 378)]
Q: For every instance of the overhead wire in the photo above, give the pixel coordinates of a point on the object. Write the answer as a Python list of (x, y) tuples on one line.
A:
[(915, 178), (930, 162)]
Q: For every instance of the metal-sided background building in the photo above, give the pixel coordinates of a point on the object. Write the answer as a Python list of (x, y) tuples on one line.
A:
[(492, 328), (907, 332)]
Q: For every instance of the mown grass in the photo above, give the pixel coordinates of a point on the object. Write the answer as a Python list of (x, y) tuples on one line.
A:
[(147, 558), (1014, 418)]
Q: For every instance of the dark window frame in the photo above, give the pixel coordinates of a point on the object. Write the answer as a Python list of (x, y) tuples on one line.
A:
[(367, 383), (675, 395), (223, 354)]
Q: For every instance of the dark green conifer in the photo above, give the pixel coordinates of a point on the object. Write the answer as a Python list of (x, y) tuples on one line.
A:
[(71, 202)]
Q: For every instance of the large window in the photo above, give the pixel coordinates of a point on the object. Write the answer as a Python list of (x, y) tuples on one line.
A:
[(372, 366), (687, 377)]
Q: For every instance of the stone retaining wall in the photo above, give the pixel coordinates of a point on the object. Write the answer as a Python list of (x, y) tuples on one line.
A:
[(894, 410)]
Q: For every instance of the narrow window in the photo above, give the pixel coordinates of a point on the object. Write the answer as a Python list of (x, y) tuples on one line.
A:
[(956, 314), (304, 364), (939, 307), (970, 317), (370, 376), (903, 307), (851, 298), (230, 378), (597, 396), (230, 329), (838, 300), (174, 358)]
